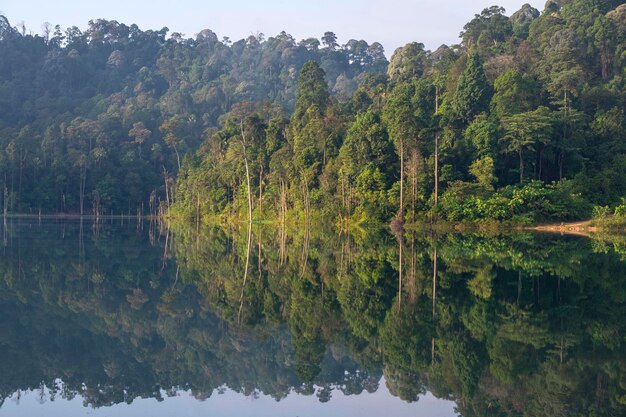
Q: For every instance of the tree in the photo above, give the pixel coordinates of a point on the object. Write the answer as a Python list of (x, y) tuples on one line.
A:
[(407, 62), (482, 170), (140, 133), (399, 116), (473, 92), (525, 130), (488, 28), (514, 93), (173, 129), (367, 146), (330, 41), (521, 20), (307, 122), (312, 89)]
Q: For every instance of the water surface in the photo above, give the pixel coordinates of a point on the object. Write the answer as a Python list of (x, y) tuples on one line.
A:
[(127, 319)]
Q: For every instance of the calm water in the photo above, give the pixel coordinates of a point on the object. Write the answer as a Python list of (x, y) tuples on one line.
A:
[(126, 320)]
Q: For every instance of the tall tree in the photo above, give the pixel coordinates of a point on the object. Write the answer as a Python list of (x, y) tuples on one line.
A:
[(399, 116), (473, 91), (525, 130)]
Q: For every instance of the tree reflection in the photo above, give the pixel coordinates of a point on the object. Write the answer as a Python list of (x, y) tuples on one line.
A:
[(503, 324)]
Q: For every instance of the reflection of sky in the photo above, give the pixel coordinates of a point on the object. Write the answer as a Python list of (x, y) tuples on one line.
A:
[(391, 22), (377, 404)]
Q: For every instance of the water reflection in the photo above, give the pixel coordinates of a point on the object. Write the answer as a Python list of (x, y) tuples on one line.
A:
[(513, 325)]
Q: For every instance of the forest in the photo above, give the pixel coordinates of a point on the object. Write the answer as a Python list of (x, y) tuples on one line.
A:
[(522, 121)]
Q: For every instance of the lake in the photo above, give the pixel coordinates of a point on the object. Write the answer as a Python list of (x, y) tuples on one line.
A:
[(126, 318)]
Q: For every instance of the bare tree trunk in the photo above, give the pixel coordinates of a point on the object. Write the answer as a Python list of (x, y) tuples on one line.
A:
[(436, 170), (413, 188), (401, 211), (414, 168), (197, 211), (306, 200), (177, 157), (436, 151), (283, 202), (166, 178), (261, 192), (348, 205), (343, 195), (245, 159), (260, 253), (565, 121)]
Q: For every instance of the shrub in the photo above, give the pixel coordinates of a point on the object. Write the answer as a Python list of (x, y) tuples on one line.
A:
[(620, 211), (600, 212)]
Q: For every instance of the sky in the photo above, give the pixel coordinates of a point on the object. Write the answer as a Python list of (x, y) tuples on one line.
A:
[(393, 23), (232, 404)]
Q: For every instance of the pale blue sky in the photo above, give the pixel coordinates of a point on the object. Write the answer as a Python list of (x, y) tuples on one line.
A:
[(393, 23)]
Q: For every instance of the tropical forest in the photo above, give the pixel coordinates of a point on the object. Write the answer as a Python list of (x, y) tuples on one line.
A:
[(523, 120), (198, 225)]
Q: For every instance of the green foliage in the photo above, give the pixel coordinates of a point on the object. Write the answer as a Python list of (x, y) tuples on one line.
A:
[(532, 201), (112, 105), (487, 29), (600, 212), (473, 92), (514, 93), (620, 211), (115, 120), (482, 170)]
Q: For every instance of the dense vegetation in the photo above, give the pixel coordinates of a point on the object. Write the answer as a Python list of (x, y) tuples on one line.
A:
[(523, 120), (99, 121), (518, 325)]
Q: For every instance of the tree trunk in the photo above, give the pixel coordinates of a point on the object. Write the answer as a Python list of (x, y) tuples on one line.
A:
[(401, 210), (436, 150), (436, 170), (540, 163), (177, 157), (521, 166), (283, 201), (414, 168), (261, 192), (565, 121), (245, 159), (167, 188), (197, 210)]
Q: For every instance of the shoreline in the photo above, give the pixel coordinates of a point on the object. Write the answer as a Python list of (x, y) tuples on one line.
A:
[(579, 228), (68, 216), (582, 228)]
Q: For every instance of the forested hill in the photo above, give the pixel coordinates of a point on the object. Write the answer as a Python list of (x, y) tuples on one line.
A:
[(523, 120), (102, 114)]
